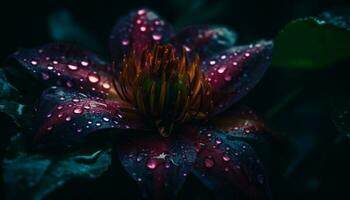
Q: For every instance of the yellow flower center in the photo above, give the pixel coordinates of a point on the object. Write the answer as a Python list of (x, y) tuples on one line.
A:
[(165, 86)]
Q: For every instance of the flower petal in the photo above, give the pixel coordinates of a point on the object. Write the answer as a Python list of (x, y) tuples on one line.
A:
[(234, 72), (222, 163), (65, 117), (69, 66), (137, 31), (158, 164), (204, 40), (241, 122)]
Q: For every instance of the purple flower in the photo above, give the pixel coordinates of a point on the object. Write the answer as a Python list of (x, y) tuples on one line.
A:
[(169, 94)]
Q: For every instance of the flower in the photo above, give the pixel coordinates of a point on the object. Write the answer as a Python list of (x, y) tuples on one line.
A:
[(175, 91)]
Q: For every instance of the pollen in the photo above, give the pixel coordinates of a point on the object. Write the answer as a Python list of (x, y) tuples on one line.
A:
[(165, 86)]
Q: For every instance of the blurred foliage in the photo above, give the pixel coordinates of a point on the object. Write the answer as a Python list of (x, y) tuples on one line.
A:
[(313, 43)]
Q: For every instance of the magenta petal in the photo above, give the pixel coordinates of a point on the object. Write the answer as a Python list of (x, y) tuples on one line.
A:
[(204, 40), (158, 164), (65, 117), (234, 72), (68, 66), (223, 163), (137, 31)]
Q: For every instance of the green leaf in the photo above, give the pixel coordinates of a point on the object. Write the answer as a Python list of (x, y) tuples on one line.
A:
[(313, 43), (13, 109), (7, 91), (35, 175)]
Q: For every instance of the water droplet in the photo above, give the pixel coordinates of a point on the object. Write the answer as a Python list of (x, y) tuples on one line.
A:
[(78, 110), (98, 124), (106, 85), (209, 162), (75, 100), (234, 63), (79, 130), (49, 67), (218, 141), (93, 78), (138, 21), (151, 164), (68, 118), (226, 169), (125, 42), (221, 69), (55, 62), (157, 36), (139, 179), (49, 128), (212, 62), (59, 107), (141, 12), (105, 119), (72, 67), (49, 115), (34, 62), (143, 28), (226, 158), (84, 63), (223, 57), (247, 54)]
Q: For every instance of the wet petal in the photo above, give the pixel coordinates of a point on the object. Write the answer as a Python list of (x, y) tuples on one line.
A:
[(136, 31), (241, 122), (234, 72), (65, 117), (68, 66), (158, 164), (204, 40), (223, 163)]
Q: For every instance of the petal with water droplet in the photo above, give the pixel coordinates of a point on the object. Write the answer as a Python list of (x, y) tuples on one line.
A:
[(204, 40), (158, 164), (235, 75), (68, 66), (242, 122), (232, 163), (72, 119), (136, 31)]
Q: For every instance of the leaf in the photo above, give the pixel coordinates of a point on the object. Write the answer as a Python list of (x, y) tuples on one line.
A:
[(35, 175), (13, 109), (63, 27), (7, 90), (313, 43)]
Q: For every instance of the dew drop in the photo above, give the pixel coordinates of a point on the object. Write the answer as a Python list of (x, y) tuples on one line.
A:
[(84, 63), (75, 100), (105, 119), (34, 62), (106, 85), (221, 69), (49, 67), (45, 76), (157, 36), (226, 158), (79, 130), (234, 63), (212, 62), (68, 118), (143, 28), (59, 107), (72, 67), (151, 164), (247, 54), (78, 110), (141, 12), (125, 42), (209, 162), (93, 78), (218, 141)]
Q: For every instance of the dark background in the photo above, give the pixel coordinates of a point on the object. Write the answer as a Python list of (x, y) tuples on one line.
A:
[(299, 105)]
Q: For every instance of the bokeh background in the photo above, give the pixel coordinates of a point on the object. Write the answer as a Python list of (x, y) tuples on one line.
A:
[(302, 106)]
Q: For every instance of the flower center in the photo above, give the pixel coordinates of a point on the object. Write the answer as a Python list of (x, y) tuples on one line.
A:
[(165, 86)]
